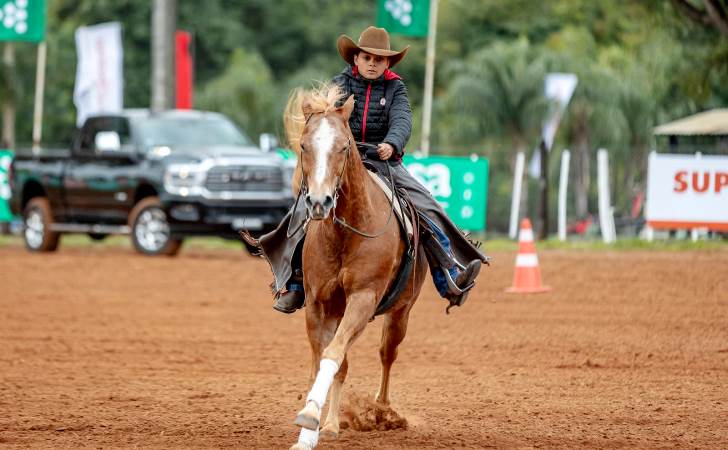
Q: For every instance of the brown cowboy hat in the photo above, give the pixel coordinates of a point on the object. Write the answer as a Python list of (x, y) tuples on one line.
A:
[(372, 40)]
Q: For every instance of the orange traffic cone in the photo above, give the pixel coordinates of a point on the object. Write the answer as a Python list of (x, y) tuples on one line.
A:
[(527, 277)]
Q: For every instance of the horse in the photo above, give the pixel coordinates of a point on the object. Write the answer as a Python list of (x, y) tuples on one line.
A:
[(351, 254)]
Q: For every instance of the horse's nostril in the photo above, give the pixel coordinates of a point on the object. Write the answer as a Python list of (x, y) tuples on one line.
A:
[(328, 202), (308, 201)]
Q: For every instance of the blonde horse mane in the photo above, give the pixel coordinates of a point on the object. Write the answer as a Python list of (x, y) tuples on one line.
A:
[(321, 99)]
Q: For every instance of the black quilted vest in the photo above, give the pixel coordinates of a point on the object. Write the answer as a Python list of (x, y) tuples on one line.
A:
[(369, 120)]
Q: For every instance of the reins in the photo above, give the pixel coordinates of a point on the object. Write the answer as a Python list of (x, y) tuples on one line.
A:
[(343, 222)]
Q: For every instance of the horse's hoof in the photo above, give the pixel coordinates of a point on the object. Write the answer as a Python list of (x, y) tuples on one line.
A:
[(300, 446), (329, 432), (309, 417)]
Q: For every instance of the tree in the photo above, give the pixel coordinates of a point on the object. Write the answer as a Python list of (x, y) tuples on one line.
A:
[(497, 91), (713, 13), (244, 92)]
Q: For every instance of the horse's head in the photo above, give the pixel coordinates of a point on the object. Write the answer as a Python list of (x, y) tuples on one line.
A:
[(325, 144)]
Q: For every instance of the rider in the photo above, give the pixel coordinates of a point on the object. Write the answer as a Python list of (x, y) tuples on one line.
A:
[(382, 116)]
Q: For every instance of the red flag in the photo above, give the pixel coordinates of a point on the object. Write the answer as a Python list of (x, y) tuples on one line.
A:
[(184, 63)]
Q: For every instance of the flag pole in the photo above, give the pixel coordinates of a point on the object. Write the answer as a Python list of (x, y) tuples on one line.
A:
[(429, 78), (39, 88)]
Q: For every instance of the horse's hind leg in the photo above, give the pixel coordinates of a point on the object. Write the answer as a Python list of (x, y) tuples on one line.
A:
[(331, 425), (393, 331)]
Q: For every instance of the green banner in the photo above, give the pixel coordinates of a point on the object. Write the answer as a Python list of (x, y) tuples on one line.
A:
[(459, 184), (6, 157), (22, 20), (408, 17)]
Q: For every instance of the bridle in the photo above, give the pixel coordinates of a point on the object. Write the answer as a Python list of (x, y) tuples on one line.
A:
[(337, 190)]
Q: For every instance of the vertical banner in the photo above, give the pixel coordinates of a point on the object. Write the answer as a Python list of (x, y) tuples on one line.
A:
[(407, 17), (99, 71), (558, 89), (184, 67), (459, 184), (6, 157), (22, 20)]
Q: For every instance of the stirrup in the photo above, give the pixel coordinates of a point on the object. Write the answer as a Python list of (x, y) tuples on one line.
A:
[(454, 288)]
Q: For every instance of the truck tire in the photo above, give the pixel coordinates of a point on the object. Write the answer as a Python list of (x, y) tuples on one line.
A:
[(38, 218), (150, 229)]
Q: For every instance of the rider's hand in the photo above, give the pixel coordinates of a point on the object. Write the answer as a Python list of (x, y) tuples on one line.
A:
[(385, 151)]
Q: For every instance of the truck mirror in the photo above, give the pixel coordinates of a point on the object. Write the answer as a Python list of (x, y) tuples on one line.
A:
[(107, 142), (268, 142)]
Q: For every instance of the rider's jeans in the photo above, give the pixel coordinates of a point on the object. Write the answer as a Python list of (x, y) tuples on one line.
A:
[(438, 276)]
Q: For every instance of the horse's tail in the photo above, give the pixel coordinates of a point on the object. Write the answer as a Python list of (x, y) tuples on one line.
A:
[(294, 122)]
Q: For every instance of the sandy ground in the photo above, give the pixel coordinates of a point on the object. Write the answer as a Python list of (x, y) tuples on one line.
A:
[(100, 347)]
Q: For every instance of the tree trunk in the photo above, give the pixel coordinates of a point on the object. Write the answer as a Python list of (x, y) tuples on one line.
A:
[(164, 23), (8, 104)]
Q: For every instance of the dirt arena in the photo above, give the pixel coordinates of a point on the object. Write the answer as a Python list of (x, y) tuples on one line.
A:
[(100, 347)]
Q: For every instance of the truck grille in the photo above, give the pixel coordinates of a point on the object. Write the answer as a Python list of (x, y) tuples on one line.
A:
[(244, 178)]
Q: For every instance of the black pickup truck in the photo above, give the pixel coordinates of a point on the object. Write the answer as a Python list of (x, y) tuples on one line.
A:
[(159, 177)]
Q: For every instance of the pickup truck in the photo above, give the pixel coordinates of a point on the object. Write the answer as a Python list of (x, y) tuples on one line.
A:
[(159, 177)]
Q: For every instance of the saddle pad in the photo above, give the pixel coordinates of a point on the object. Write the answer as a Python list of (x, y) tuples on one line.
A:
[(403, 218)]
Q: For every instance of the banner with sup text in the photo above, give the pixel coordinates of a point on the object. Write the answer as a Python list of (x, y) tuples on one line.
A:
[(687, 191)]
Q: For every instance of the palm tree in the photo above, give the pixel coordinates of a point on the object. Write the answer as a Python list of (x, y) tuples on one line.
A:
[(498, 91)]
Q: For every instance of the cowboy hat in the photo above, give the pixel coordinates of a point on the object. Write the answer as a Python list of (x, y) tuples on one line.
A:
[(372, 40)]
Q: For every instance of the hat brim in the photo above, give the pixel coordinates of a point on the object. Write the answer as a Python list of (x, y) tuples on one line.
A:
[(348, 48)]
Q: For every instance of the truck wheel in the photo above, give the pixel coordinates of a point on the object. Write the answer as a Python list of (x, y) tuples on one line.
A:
[(38, 218), (150, 229)]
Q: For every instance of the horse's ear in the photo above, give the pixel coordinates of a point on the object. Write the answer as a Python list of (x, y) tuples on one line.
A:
[(306, 107), (346, 109)]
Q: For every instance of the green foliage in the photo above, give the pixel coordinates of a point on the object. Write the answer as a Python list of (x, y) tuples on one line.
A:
[(244, 92)]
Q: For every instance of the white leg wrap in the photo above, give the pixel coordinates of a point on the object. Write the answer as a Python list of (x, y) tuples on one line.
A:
[(308, 437), (324, 378)]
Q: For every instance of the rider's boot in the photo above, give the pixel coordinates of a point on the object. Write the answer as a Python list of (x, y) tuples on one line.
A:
[(465, 281), (293, 299)]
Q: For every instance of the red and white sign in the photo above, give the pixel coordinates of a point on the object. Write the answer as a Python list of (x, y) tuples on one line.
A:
[(687, 191)]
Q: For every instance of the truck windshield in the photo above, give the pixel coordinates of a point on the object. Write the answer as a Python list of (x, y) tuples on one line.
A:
[(188, 131)]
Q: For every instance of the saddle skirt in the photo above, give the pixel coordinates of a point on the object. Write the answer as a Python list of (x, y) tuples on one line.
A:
[(403, 218)]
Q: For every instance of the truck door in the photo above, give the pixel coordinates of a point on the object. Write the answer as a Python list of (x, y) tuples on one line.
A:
[(99, 186)]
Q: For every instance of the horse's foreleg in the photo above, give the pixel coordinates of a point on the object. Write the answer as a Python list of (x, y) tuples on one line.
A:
[(331, 425), (393, 331), (359, 309)]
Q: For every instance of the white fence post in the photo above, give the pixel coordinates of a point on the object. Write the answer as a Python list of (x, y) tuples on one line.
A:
[(516, 200), (606, 219), (563, 186)]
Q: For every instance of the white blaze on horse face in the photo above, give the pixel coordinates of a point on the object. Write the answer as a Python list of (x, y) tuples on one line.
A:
[(323, 142)]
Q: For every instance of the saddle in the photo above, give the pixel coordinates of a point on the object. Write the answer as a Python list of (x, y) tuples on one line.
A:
[(404, 210)]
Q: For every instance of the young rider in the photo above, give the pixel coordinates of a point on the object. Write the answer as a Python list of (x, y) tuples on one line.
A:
[(382, 117)]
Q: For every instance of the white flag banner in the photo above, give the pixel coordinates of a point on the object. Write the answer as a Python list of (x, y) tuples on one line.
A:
[(558, 87), (99, 71)]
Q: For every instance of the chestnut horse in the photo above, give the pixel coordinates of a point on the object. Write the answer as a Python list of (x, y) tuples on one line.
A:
[(346, 272)]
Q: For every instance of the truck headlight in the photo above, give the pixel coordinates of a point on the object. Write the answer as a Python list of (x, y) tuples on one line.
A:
[(184, 179)]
